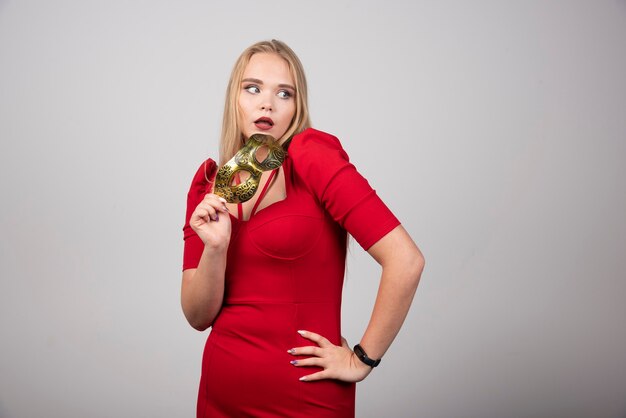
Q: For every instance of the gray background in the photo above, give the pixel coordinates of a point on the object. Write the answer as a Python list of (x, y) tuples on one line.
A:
[(495, 130)]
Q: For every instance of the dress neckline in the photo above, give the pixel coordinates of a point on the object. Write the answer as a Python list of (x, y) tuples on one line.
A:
[(262, 194), (255, 212)]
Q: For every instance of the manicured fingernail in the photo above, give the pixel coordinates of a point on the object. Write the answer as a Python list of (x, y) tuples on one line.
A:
[(221, 199), (225, 209), (303, 379), (292, 351), (301, 332), (294, 362)]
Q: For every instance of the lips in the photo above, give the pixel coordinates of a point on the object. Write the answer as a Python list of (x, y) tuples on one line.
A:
[(264, 123)]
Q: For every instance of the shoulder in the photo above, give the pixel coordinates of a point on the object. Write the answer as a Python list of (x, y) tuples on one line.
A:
[(312, 142), (202, 181), (317, 157), (201, 184)]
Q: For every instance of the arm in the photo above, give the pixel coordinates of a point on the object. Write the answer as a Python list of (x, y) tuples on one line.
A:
[(402, 264), (202, 289), (349, 199)]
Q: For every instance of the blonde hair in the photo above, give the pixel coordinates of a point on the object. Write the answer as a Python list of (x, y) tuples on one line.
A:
[(232, 135)]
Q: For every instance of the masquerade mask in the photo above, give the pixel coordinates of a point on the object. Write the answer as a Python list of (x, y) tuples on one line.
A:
[(246, 160)]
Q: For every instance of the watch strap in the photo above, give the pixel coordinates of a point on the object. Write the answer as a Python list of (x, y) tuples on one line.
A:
[(362, 355)]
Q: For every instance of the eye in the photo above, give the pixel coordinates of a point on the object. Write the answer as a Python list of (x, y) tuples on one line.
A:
[(252, 89), (284, 94)]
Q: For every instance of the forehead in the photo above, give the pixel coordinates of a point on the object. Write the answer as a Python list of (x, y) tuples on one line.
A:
[(268, 67)]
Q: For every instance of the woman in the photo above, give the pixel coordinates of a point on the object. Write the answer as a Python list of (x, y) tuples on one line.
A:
[(267, 274)]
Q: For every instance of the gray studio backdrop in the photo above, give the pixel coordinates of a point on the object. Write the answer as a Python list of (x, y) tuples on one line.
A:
[(496, 130)]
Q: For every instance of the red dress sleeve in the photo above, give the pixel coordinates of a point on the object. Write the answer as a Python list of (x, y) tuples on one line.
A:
[(201, 184), (323, 165)]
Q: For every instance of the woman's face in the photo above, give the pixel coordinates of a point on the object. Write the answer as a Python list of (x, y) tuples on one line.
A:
[(267, 97)]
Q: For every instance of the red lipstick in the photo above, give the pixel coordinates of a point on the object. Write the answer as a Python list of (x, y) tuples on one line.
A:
[(264, 123)]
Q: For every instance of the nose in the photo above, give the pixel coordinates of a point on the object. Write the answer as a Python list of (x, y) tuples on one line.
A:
[(266, 102)]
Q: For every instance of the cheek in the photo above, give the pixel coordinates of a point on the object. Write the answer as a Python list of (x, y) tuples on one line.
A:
[(244, 106), (290, 112)]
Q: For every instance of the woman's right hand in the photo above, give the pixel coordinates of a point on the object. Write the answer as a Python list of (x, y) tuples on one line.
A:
[(210, 220)]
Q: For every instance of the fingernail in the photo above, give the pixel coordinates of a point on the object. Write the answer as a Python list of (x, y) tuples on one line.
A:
[(294, 362), (292, 351), (301, 332), (303, 379), (225, 208), (221, 199)]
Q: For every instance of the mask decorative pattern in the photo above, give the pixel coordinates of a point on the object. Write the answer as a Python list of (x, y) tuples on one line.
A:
[(246, 160)]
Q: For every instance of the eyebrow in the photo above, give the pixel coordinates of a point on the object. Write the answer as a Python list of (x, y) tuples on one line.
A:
[(257, 81)]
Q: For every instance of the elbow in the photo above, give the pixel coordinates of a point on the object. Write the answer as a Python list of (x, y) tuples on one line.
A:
[(415, 267), (200, 321), (420, 262), (200, 324)]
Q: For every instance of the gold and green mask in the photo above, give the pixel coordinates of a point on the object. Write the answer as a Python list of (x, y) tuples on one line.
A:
[(245, 160)]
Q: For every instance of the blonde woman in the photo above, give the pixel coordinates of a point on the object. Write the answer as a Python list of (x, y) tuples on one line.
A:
[(267, 274)]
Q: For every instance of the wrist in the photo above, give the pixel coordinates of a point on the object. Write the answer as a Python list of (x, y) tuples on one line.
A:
[(364, 358), (217, 247)]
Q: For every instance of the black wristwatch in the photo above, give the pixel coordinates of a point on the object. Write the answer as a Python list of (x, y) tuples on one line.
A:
[(360, 353)]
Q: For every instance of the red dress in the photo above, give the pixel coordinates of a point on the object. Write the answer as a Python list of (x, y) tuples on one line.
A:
[(284, 273)]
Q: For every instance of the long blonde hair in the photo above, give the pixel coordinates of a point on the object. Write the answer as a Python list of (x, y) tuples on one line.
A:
[(232, 135)]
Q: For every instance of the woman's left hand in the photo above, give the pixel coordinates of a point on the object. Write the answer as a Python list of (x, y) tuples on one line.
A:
[(338, 362)]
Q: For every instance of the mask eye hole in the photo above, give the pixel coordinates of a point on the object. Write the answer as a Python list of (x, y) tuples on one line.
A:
[(261, 154), (240, 176)]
